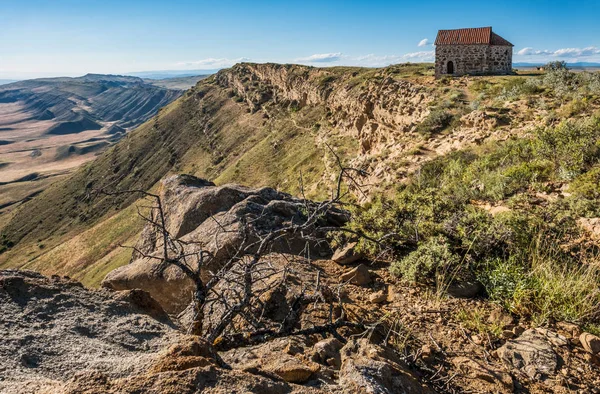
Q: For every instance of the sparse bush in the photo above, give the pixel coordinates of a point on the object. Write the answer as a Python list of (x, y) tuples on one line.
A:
[(543, 284), (432, 258), (475, 320), (435, 122), (523, 256), (587, 185)]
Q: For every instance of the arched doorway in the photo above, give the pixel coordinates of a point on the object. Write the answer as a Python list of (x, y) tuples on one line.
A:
[(450, 67)]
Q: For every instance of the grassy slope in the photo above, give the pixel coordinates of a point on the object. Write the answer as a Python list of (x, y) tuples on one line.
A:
[(90, 255), (72, 230), (210, 133)]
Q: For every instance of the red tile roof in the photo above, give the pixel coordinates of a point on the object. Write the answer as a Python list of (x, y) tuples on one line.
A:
[(479, 35)]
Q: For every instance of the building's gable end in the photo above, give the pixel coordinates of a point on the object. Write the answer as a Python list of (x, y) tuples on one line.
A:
[(497, 40)]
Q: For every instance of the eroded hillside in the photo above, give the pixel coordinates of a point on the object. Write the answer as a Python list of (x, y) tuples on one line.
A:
[(270, 125), (49, 127)]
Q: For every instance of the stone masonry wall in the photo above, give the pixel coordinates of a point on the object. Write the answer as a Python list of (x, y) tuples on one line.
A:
[(473, 59)]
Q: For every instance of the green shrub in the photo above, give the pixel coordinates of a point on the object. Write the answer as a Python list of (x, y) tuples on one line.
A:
[(475, 232), (435, 122), (505, 281), (556, 65), (570, 147), (432, 259), (414, 214), (326, 80), (514, 88), (562, 82), (587, 185), (590, 83), (575, 107), (524, 174)]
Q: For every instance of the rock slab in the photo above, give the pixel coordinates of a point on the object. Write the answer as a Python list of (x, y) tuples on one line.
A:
[(532, 353)]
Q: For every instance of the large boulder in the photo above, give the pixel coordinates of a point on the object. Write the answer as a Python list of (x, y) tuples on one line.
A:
[(171, 288), (221, 220)]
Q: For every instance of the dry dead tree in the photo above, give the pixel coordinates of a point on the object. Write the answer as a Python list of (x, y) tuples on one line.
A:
[(237, 286)]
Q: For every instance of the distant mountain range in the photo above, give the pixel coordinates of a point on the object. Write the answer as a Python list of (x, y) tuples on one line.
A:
[(94, 97), (50, 126), (167, 74), (156, 75)]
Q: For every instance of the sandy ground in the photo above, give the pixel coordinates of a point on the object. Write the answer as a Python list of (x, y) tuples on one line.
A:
[(26, 150)]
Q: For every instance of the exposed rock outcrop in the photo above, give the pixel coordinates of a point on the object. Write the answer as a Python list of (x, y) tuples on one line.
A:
[(347, 254), (216, 219), (532, 353), (385, 105), (590, 342), (379, 111), (359, 276), (51, 328)]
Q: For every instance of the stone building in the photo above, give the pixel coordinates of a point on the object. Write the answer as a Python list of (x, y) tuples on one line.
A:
[(475, 51)]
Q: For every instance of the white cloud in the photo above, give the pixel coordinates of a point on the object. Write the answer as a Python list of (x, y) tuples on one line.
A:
[(577, 52), (424, 42), (372, 60), (321, 58), (212, 63), (421, 56), (528, 51), (561, 53)]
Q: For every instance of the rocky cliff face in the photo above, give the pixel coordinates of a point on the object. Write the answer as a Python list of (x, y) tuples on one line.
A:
[(377, 110), (381, 106)]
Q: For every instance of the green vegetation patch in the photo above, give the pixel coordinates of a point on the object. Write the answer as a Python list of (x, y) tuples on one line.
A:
[(478, 213)]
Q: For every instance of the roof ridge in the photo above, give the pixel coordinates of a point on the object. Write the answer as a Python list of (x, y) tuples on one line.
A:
[(468, 28), (470, 35)]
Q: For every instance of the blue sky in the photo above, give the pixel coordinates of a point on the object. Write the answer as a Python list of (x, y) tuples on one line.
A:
[(73, 37)]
